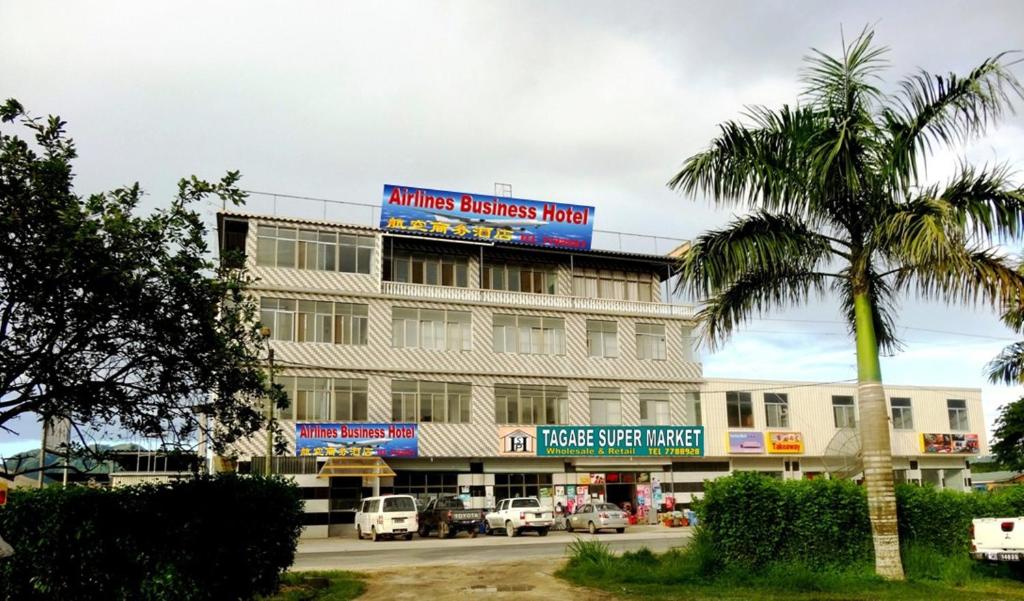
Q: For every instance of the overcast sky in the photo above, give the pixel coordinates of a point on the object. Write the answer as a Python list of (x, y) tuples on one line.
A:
[(583, 102)]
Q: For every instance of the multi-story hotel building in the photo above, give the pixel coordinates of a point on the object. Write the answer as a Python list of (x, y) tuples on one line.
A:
[(481, 346)]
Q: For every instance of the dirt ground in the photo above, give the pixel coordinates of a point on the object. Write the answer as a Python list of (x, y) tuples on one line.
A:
[(466, 582)]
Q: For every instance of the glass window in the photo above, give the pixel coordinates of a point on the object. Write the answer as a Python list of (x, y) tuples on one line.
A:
[(435, 270), (617, 285), (776, 409), (314, 249), (443, 402), (902, 413), (605, 406), (431, 329), (278, 314), (314, 322), (689, 346), (355, 253), (350, 323), (740, 409), (650, 341), (844, 411), (602, 340), (520, 278), (529, 335), (654, 408), (693, 410), (530, 404), (957, 414), (350, 400), (312, 399)]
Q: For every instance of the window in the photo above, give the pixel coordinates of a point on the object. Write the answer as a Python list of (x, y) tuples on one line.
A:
[(514, 486), (619, 285), (430, 269), (526, 404), (605, 406), (650, 341), (844, 411), (740, 409), (690, 346), (654, 408), (425, 486), (314, 321), (432, 329), (443, 402), (693, 411), (602, 338), (776, 409), (902, 413), (520, 278), (324, 399), (350, 400), (957, 414), (314, 249), (529, 335)]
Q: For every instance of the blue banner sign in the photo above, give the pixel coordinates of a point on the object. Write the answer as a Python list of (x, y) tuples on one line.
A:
[(481, 217), (620, 441), (356, 440)]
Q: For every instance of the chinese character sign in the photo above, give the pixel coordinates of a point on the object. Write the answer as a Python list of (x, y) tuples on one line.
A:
[(785, 443), (356, 440), (485, 218)]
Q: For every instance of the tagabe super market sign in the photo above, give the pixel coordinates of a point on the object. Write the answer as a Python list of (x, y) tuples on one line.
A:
[(620, 441)]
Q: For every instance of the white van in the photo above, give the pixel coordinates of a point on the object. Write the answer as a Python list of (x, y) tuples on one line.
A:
[(393, 516)]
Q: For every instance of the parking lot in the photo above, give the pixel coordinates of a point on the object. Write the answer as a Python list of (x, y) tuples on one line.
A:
[(348, 553)]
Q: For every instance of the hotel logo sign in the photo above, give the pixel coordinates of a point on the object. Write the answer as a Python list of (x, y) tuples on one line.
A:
[(518, 441)]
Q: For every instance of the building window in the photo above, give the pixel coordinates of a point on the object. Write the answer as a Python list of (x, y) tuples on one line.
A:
[(431, 329), (776, 409), (844, 411), (314, 321), (617, 285), (654, 408), (323, 399), (530, 404), (602, 338), (514, 486), (689, 346), (957, 414), (902, 413), (693, 409), (605, 406), (441, 402), (314, 249), (430, 269), (520, 278), (740, 409), (529, 335), (650, 341)]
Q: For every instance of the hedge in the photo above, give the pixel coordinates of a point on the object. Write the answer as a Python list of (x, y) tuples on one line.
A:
[(224, 537), (754, 520)]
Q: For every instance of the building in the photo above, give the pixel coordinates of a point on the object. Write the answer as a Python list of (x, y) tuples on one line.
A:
[(455, 365)]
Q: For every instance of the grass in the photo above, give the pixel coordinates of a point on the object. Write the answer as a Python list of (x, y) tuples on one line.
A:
[(695, 574), (334, 585)]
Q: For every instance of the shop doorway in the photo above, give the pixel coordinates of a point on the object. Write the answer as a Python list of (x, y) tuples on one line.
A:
[(617, 494)]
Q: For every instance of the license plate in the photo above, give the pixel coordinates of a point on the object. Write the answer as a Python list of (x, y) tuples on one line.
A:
[(1009, 557), (399, 520), (537, 515), (399, 530)]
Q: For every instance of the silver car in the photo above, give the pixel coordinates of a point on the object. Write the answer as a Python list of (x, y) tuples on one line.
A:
[(597, 516)]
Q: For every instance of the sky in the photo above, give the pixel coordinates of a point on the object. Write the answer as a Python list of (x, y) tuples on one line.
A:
[(594, 103)]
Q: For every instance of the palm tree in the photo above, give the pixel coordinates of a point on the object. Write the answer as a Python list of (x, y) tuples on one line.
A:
[(1008, 366), (836, 204)]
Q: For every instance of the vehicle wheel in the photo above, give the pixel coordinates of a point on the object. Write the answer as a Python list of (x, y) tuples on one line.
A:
[(620, 530), (509, 530), (424, 531), (373, 534), (473, 532), (442, 530), (592, 528), (359, 532), (542, 532), (408, 536), (568, 526), (487, 529)]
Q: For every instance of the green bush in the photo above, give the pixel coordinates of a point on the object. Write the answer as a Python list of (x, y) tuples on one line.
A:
[(942, 518), (224, 537)]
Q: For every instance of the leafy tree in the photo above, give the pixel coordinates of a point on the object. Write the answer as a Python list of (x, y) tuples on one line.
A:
[(1008, 366), (112, 319), (837, 204), (1008, 447)]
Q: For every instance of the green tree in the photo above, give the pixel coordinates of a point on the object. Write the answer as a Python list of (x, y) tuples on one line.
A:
[(111, 319), (1008, 445), (837, 204)]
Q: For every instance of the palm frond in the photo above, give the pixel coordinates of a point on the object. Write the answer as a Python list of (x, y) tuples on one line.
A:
[(1008, 366), (985, 200), (762, 242), (756, 292), (973, 276), (936, 109), (848, 84)]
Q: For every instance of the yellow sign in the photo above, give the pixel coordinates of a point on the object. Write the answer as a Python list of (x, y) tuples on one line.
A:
[(785, 443), (3, 492)]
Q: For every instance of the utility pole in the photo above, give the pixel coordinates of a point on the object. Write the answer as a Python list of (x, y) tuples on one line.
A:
[(42, 451)]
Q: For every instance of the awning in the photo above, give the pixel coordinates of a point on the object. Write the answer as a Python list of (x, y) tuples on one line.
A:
[(356, 467)]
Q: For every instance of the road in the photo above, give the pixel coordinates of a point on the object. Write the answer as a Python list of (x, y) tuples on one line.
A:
[(352, 554)]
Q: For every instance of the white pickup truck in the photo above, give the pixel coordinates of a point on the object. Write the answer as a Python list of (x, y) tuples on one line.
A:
[(516, 516), (998, 539)]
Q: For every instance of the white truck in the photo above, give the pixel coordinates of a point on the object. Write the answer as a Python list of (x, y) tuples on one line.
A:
[(516, 516), (998, 539)]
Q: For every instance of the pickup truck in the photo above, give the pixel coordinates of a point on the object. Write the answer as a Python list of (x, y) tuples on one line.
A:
[(998, 539), (515, 516), (448, 516)]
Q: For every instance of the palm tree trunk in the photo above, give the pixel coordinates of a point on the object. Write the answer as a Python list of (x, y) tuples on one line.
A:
[(876, 444)]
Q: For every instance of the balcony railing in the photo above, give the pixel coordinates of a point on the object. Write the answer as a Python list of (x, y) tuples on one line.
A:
[(542, 301)]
